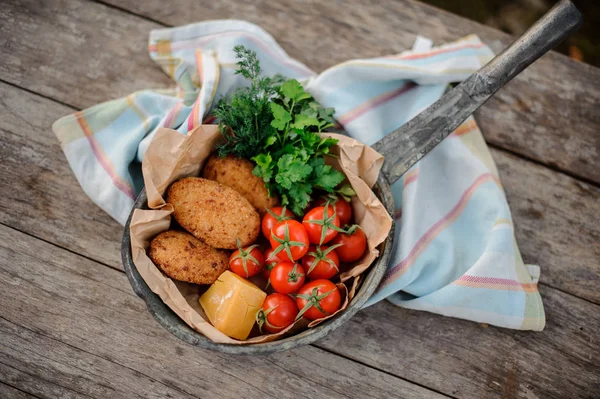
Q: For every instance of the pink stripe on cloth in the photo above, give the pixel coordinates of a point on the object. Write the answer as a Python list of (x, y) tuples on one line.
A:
[(191, 117), (199, 66), (489, 280), (435, 52), (104, 161), (411, 176), (199, 41), (495, 283), (172, 116), (375, 102), (425, 240), (465, 128)]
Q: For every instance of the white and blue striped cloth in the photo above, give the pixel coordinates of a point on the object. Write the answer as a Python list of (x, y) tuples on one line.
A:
[(455, 249)]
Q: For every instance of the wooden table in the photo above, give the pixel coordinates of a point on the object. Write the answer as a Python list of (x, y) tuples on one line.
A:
[(70, 325)]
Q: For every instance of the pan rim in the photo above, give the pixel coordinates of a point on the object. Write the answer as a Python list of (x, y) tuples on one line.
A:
[(172, 323)]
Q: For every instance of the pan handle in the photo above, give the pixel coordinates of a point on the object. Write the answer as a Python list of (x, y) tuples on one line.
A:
[(405, 146)]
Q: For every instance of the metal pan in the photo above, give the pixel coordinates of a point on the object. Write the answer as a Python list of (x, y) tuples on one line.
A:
[(401, 149)]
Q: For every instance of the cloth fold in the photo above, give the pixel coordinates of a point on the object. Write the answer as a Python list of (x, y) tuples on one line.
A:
[(455, 251)]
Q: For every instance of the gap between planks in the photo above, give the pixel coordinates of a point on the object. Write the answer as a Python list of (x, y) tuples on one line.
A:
[(547, 154), (94, 354), (506, 148), (545, 165), (324, 348), (117, 267), (354, 327), (131, 293), (491, 145), (129, 12), (320, 347), (27, 394)]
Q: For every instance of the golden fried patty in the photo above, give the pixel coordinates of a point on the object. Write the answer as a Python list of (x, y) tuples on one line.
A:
[(237, 173), (213, 213), (183, 257)]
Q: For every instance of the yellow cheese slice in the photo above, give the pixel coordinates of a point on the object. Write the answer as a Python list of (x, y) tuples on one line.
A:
[(231, 303)]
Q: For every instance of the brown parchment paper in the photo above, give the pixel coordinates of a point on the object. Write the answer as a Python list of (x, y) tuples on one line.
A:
[(172, 156)]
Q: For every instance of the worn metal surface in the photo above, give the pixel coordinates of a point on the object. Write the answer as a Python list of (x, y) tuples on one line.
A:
[(411, 142)]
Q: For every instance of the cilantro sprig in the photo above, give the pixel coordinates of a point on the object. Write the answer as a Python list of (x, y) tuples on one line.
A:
[(276, 123)]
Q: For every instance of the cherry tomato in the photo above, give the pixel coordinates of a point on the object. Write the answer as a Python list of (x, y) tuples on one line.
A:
[(354, 244), (321, 262), (272, 217), (246, 262), (287, 277), (270, 262), (289, 240), (278, 312), (322, 224), (342, 208), (317, 299)]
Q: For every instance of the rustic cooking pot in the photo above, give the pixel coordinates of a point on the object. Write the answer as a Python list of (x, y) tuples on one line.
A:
[(401, 149), (170, 321)]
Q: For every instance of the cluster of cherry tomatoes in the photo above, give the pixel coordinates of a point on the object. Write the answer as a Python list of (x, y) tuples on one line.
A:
[(300, 251)]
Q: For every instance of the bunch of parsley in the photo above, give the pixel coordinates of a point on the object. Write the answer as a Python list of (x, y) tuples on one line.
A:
[(277, 123), (245, 120)]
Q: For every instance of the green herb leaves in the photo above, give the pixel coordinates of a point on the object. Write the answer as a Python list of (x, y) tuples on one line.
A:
[(281, 117), (297, 148), (276, 123), (326, 178), (245, 121), (290, 171), (292, 91)]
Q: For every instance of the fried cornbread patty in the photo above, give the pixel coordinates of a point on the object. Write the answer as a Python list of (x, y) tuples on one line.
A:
[(237, 173), (213, 213), (183, 257)]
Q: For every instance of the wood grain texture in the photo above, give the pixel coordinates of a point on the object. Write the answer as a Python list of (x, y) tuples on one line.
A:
[(40, 364), (551, 210), (74, 51), (468, 360), (556, 224), (74, 325), (549, 113), (40, 194), (96, 337), (8, 392), (83, 319)]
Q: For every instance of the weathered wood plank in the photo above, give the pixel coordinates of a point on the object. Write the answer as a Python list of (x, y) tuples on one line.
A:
[(92, 328), (568, 201), (8, 392), (74, 51), (469, 360), (40, 194), (551, 213), (553, 120), (62, 297), (548, 113), (551, 210), (47, 361), (31, 383)]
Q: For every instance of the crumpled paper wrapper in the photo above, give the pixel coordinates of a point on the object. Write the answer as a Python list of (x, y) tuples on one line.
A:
[(172, 156)]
